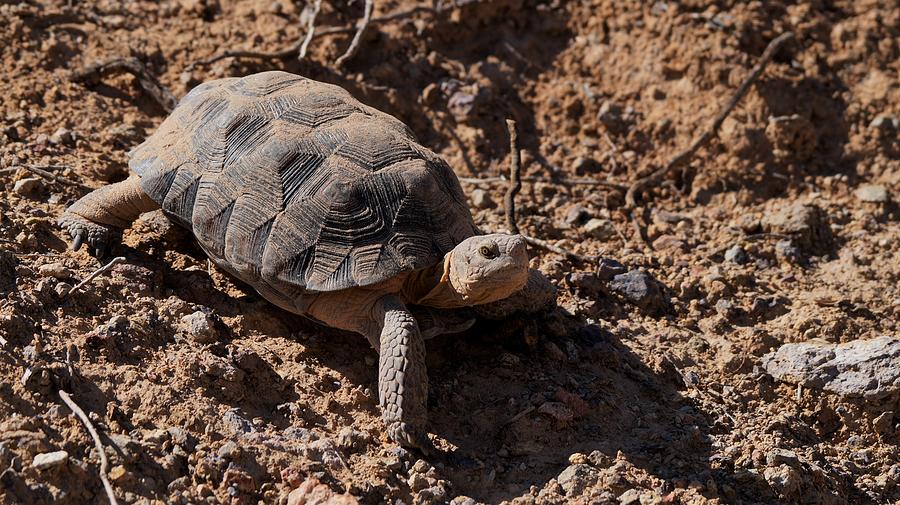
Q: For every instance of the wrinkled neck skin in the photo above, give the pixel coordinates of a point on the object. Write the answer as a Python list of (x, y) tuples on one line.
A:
[(436, 286)]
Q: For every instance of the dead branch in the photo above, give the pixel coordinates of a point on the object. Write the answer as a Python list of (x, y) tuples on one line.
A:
[(354, 44), (310, 30), (297, 46), (94, 274), (92, 74), (707, 134), (42, 170), (104, 462), (515, 185)]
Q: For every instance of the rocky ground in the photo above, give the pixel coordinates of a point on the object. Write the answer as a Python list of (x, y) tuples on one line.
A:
[(745, 351)]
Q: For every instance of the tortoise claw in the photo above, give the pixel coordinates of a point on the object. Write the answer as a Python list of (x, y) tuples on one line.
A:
[(83, 231)]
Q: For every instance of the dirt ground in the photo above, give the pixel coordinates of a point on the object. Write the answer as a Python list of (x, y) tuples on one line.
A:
[(782, 230)]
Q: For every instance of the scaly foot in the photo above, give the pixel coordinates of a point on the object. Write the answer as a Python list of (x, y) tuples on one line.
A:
[(98, 237)]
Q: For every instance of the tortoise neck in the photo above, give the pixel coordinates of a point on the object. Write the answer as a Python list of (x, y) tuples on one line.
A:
[(432, 286)]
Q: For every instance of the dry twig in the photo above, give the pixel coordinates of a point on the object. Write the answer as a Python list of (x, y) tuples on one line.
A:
[(510, 202), (354, 44), (42, 170), (296, 47), (685, 155), (104, 463), (515, 185), (92, 74), (94, 274), (310, 30)]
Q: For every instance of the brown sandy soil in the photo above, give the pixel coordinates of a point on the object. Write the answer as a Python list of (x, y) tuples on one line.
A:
[(663, 404)]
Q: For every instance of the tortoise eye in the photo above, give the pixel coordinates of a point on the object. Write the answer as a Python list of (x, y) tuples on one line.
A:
[(487, 251)]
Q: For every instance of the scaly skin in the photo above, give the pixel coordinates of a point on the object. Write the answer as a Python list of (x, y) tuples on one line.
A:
[(99, 217), (402, 378)]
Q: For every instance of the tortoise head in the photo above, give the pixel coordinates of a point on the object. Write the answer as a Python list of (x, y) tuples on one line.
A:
[(487, 268)]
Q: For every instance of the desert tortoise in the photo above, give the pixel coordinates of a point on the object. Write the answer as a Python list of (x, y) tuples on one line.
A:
[(328, 208)]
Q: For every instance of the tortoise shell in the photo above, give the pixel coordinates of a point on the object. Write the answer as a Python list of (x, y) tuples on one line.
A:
[(294, 185)]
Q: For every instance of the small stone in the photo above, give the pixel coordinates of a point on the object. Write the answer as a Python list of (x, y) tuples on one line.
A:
[(200, 327), (806, 224), (417, 482), (27, 185), (482, 200), (230, 450), (639, 288), (462, 500), (577, 215), (236, 423), (885, 123), (62, 288), (50, 459), (576, 478), (872, 193), (311, 491), (884, 424), (668, 242), (61, 136), (783, 479), (736, 254), (861, 368), (786, 249), (630, 497), (558, 411), (608, 268), (601, 229), (55, 270), (578, 458), (779, 456), (350, 439), (117, 473)]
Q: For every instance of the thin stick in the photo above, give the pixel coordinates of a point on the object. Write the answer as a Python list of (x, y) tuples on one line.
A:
[(310, 30), (547, 180), (95, 273), (354, 44), (104, 463), (92, 74), (296, 47), (515, 185), (685, 155), (543, 244), (40, 170)]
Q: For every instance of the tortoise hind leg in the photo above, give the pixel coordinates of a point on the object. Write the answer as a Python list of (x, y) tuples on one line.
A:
[(102, 214)]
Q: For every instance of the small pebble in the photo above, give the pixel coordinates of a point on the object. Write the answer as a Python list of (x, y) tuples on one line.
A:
[(736, 254), (27, 185), (55, 270), (50, 459), (577, 215), (872, 193), (601, 229), (482, 200), (61, 136)]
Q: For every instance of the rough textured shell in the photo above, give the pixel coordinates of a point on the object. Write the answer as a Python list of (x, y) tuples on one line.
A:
[(293, 185)]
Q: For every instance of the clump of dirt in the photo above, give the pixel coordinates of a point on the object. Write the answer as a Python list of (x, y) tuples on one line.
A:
[(646, 386)]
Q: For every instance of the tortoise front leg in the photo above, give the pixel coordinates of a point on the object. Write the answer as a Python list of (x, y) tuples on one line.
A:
[(402, 378), (103, 213)]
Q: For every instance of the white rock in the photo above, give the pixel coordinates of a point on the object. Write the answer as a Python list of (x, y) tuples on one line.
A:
[(862, 368), (50, 459), (873, 193)]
